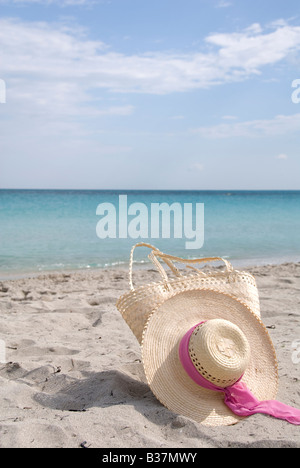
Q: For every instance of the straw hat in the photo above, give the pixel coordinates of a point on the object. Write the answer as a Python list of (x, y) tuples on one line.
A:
[(227, 342)]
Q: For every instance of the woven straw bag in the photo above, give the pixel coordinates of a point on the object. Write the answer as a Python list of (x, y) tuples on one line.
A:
[(136, 305)]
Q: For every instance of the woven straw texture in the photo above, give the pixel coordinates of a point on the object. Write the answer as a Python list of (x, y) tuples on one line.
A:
[(137, 305), (219, 351), (168, 380)]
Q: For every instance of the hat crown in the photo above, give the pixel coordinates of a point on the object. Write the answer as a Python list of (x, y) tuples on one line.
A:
[(220, 351)]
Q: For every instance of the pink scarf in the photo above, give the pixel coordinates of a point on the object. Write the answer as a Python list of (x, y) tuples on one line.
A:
[(237, 396)]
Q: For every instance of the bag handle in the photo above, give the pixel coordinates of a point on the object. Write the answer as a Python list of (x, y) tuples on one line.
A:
[(168, 259), (186, 261), (154, 260)]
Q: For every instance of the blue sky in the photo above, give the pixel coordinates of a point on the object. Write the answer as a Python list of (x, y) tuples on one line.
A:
[(138, 94)]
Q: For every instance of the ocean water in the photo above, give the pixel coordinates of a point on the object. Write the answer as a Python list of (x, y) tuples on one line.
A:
[(46, 230)]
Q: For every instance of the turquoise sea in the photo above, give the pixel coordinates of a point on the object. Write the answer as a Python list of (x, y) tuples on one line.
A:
[(46, 230)]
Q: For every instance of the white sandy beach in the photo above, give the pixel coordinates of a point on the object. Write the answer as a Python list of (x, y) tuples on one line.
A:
[(73, 372)]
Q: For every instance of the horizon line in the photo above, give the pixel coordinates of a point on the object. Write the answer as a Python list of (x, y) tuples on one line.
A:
[(149, 190)]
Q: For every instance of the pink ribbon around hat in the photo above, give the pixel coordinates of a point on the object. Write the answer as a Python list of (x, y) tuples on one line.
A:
[(237, 396)]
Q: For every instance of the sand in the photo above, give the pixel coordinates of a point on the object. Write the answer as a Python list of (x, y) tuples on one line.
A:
[(72, 373)]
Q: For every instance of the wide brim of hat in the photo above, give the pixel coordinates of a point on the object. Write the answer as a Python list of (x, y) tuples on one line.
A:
[(165, 375)]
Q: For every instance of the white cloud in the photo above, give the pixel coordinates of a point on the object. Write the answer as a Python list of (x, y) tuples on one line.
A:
[(41, 52), (54, 76), (279, 125), (223, 4), (245, 53), (282, 156)]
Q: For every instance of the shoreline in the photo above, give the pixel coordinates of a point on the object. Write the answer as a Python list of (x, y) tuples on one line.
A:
[(8, 275)]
